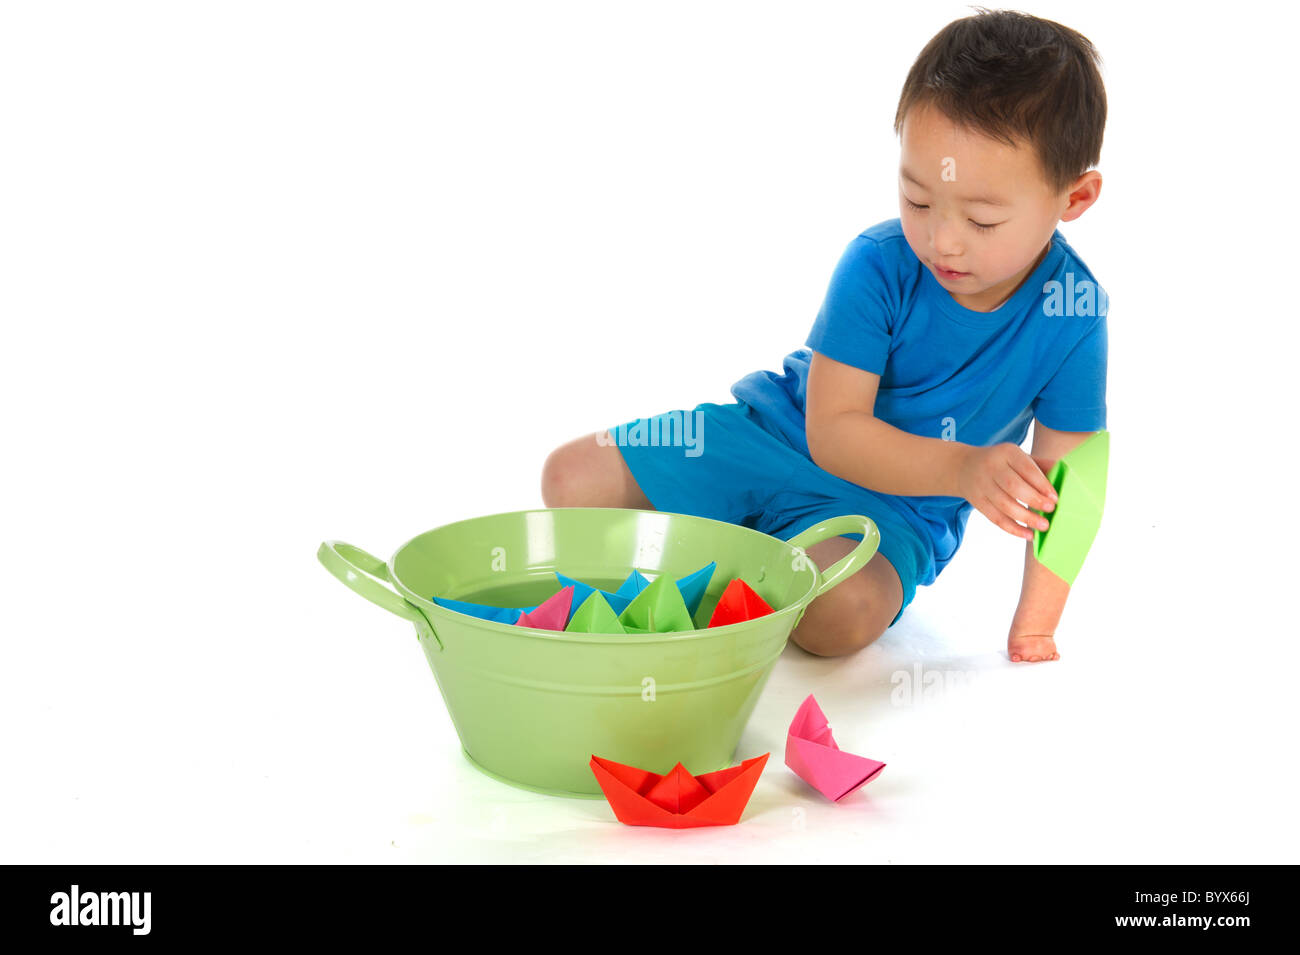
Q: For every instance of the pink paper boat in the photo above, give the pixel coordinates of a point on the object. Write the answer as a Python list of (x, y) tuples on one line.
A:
[(552, 614), (811, 751)]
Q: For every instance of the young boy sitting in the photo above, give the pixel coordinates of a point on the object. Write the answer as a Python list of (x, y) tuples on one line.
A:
[(942, 334)]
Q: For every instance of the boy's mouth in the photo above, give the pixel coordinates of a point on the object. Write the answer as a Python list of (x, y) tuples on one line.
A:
[(949, 274)]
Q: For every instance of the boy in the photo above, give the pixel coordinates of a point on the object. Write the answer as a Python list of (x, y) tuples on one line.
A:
[(943, 332)]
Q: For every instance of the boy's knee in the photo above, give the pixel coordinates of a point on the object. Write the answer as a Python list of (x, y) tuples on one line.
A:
[(588, 473), (563, 478), (854, 621), (837, 640)]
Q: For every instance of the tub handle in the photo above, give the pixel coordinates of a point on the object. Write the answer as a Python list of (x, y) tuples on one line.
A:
[(367, 575), (850, 563)]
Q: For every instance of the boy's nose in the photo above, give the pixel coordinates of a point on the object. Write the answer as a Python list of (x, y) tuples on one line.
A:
[(944, 241)]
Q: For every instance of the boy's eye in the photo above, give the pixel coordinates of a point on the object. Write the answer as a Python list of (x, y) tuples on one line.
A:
[(979, 225)]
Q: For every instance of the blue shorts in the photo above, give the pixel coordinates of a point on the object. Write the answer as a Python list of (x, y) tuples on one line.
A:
[(718, 461)]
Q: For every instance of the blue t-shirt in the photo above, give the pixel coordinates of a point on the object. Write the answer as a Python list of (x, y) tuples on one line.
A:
[(947, 371)]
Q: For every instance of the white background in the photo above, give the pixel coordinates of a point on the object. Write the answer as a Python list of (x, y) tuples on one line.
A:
[(274, 273)]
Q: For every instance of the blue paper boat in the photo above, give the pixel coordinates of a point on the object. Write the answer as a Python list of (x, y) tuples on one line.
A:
[(499, 614)]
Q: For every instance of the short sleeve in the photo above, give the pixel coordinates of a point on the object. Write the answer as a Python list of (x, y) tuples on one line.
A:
[(856, 316), (1075, 397)]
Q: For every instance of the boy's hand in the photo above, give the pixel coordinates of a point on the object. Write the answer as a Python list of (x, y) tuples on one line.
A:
[(1002, 482), (1032, 648)]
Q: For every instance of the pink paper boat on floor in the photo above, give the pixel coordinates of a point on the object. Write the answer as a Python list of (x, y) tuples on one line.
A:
[(552, 614), (811, 751)]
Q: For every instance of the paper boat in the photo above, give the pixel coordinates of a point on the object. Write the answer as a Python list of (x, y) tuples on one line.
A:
[(1080, 481), (738, 602), (692, 587), (677, 800), (811, 751), (551, 614), (499, 614), (634, 584), (618, 600), (657, 609), (595, 616)]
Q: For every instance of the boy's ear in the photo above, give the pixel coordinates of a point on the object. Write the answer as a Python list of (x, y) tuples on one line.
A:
[(1082, 194)]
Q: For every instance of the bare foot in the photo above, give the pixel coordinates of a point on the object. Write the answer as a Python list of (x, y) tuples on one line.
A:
[(1032, 648)]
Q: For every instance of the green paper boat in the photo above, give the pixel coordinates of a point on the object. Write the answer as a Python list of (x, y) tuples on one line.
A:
[(657, 609), (595, 616), (692, 587), (1080, 481)]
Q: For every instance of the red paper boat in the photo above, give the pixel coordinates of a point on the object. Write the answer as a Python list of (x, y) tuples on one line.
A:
[(738, 602), (811, 751), (678, 800)]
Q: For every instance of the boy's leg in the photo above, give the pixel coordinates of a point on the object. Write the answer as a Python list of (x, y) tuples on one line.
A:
[(857, 611), (586, 472), (709, 461)]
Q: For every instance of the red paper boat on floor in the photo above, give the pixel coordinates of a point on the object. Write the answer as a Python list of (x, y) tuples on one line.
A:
[(811, 751), (738, 602), (678, 800)]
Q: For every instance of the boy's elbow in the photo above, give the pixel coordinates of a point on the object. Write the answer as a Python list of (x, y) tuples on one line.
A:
[(815, 433), (827, 433)]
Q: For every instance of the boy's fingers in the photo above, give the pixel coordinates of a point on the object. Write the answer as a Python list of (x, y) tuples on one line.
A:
[(1025, 518), (1043, 495), (1019, 490), (993, 512)]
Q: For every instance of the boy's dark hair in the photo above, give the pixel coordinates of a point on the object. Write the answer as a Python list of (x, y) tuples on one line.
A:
[(1015, 78)]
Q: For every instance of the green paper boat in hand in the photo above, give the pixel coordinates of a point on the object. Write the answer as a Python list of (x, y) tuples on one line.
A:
[(1080, 481)]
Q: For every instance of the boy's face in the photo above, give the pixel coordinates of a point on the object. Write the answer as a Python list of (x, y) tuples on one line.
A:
[(965, 180)]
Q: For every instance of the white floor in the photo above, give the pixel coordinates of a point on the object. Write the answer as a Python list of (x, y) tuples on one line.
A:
[(1161, 735)]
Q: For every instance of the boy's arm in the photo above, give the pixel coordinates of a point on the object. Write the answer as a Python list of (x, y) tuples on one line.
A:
[(1042, 593), (848, 440)]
